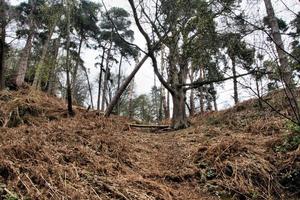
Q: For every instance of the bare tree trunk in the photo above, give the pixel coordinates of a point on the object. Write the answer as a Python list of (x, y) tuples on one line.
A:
[(74, 75), (179, 119), (130, 106), (106, 78), (167, 115), (23, 63), (201, 91), (285, 70), (214, 97), (89, 85), (52, 72), (192, 95), (2, 42), (25, 54), (100, 80), (69, 91), (235, 87), (119, 82), (39, 67), (124, 86)]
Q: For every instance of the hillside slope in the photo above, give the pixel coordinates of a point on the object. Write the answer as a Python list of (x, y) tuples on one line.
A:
[(240, 153)]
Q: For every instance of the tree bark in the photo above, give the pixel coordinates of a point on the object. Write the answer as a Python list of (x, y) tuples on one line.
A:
[(285, 69), (74, 75), (179, 119), (235, 87), (100, 80), (89, 85), (69, 91), (2, 43), (201, 91), (106, 78), (192, 95), (52, 72), (119, 82)]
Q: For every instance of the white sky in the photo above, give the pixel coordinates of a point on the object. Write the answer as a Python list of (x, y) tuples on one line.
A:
[(145, 78)]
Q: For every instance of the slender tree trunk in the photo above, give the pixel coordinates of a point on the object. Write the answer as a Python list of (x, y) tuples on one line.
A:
[(214, 97), (235, 87), (167, 115), (2, 43), (40, 66), (192, 95), (119, 82), (52, 72), (258, 93), (89, 85), (74, 75), (100, 80), (124, 86), (130, 106), (69, 91), (285, 69), (201, 91), (106, 78)]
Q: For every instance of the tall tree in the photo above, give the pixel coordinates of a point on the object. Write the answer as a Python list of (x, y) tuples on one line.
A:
[(3, 23), (27, 18), (68, 32), (285, 69)]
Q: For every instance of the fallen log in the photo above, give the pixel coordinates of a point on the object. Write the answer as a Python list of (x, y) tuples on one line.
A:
[(148, 126)]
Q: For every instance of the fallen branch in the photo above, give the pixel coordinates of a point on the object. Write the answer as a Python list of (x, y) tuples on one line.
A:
[(148, 126)]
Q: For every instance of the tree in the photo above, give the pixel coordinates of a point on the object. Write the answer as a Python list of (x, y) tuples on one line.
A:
[(28, 14), (3, 23), (69, 91), (285, 70), (85, 21), (239, 53), (115, 28), (53, 11)]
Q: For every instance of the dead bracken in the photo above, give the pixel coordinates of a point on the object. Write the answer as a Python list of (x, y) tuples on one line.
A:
[(92, 157)]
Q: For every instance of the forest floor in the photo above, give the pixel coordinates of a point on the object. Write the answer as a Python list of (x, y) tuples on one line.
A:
[(241, 153)]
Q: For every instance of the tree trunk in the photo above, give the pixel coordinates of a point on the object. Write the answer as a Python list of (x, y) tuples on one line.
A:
[(89, 85), (235, 87), (179, 119), (192, 95), (201, 91), (167, 110), (130, 106), (25, 54), (285, 69), (214, 97), (2, 42), (100, 80), (69, 91), (119, 82), (52, 72), (106, 78), (23, 63), (39, 67), (74, 75), (124, 86)]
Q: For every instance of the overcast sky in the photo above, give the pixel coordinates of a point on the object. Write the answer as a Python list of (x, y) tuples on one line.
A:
[(145, 78)]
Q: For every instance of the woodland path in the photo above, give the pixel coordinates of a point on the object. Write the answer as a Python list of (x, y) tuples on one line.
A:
[(165, 158)]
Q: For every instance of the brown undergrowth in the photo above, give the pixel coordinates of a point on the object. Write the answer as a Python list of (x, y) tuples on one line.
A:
[(252, 153), (241, 153)]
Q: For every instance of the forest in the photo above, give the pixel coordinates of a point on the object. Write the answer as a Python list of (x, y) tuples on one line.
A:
[(221, 120)]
